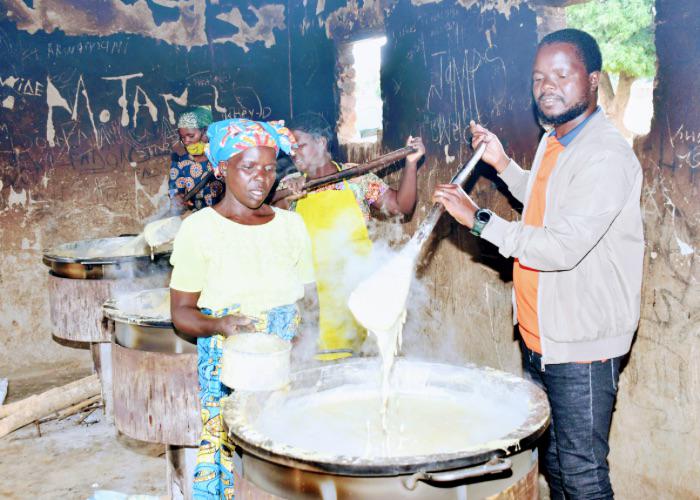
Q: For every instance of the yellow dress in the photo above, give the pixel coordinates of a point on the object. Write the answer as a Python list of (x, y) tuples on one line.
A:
[(340, 242)]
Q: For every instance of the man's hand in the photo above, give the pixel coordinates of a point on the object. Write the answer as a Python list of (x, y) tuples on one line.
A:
[(235, 323), (456, 202), (417, 144), (494, 154)]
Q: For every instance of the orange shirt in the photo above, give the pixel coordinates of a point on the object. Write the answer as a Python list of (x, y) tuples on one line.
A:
[(525, 279)]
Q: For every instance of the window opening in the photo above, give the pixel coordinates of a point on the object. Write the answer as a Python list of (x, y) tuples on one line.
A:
[(361, 100)]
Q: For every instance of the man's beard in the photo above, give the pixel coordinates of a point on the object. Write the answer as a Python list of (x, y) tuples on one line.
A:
[(573, 112)]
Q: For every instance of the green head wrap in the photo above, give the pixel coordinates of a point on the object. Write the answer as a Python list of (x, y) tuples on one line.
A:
[(199, 117)]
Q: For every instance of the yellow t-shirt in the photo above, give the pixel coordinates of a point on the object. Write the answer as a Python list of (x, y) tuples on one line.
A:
[(256, 267)]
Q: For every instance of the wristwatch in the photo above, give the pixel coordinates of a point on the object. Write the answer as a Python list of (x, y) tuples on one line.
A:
[(481, 218)]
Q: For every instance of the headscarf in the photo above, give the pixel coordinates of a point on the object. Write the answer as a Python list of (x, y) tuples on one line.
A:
[(230, 137), (199, 117)]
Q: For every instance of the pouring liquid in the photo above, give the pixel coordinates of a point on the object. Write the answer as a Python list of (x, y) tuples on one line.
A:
[(379, 304)]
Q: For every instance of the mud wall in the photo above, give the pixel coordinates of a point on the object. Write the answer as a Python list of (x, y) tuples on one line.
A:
[(654, 451), (89, 95), (446, 64), (87, 108)]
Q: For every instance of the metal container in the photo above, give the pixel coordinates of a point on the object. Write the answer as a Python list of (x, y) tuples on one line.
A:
[(156, 391), (255, 362), (78, 284), (105, 258), (505, 465), (137, 323)]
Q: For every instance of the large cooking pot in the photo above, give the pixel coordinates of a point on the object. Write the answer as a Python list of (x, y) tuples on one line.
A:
[(280, 466), (83, 274), (141, 320), (155, 381), (105, 258), (154, 370)]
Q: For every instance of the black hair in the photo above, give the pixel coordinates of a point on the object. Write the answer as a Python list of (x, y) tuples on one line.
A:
[(585, 45), (316, 125), (312, 123)]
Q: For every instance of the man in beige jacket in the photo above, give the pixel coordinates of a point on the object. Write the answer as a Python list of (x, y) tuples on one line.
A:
[(578, 254)]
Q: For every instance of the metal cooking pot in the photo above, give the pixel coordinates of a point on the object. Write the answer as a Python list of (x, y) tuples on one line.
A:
[(154, 371), (74, 260), (292, 472), (134, 327)]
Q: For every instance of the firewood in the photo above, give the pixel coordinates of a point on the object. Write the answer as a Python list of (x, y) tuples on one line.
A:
[(37, 406), (77, 408)]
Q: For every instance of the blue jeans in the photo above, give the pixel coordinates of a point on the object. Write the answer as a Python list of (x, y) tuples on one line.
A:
[(582, 398)]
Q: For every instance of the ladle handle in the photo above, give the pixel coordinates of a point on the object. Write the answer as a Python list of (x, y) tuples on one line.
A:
[(494, 466), (431, 220)]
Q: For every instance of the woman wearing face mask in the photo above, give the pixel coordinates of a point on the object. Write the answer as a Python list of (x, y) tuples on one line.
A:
[(189, 164)]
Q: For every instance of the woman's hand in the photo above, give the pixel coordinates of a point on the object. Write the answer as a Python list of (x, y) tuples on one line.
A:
[(417, 144), (179, 205), (235, 323), (294, 182), (494, 154)]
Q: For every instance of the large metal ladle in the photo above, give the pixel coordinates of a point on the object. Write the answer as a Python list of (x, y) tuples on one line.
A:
[(426, 227)]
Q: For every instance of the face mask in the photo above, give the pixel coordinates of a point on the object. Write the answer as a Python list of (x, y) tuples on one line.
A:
[(196, 149)]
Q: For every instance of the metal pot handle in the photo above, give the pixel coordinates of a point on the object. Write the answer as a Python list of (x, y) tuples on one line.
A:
[(493, 466)]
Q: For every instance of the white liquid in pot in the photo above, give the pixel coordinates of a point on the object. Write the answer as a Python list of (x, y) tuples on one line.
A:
[(346, 421)]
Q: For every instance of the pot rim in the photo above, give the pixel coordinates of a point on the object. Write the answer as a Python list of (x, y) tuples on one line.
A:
[(52, 255), (524, 437)]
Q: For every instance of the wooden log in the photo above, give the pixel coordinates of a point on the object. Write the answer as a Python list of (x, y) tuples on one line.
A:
[(26, 403), (76, 305), (40, 405), (369, 166), (156, 396), (76, 408)]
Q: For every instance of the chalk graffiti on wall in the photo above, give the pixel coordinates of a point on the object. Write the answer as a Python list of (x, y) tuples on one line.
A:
[(453, 86), (686, 145), (96, 123), (454, 64)]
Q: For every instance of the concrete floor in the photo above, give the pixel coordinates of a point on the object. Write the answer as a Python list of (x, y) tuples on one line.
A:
[(71, 460)]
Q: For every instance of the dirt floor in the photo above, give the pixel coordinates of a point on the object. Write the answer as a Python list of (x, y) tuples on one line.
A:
[(72, 460)]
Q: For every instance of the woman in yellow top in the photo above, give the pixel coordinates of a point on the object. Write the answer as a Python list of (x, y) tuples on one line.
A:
[(336, 218), (240, 265)]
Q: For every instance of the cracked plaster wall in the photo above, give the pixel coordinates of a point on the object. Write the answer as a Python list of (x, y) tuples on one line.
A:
[(107, 166)]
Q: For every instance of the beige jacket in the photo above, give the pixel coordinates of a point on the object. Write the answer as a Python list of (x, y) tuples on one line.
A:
[(590, 249)]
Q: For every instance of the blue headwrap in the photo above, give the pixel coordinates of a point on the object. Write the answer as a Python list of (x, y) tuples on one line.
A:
[(230, 137)]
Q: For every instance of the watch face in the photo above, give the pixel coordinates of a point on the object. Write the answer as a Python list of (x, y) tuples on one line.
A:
[(483, 216)]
